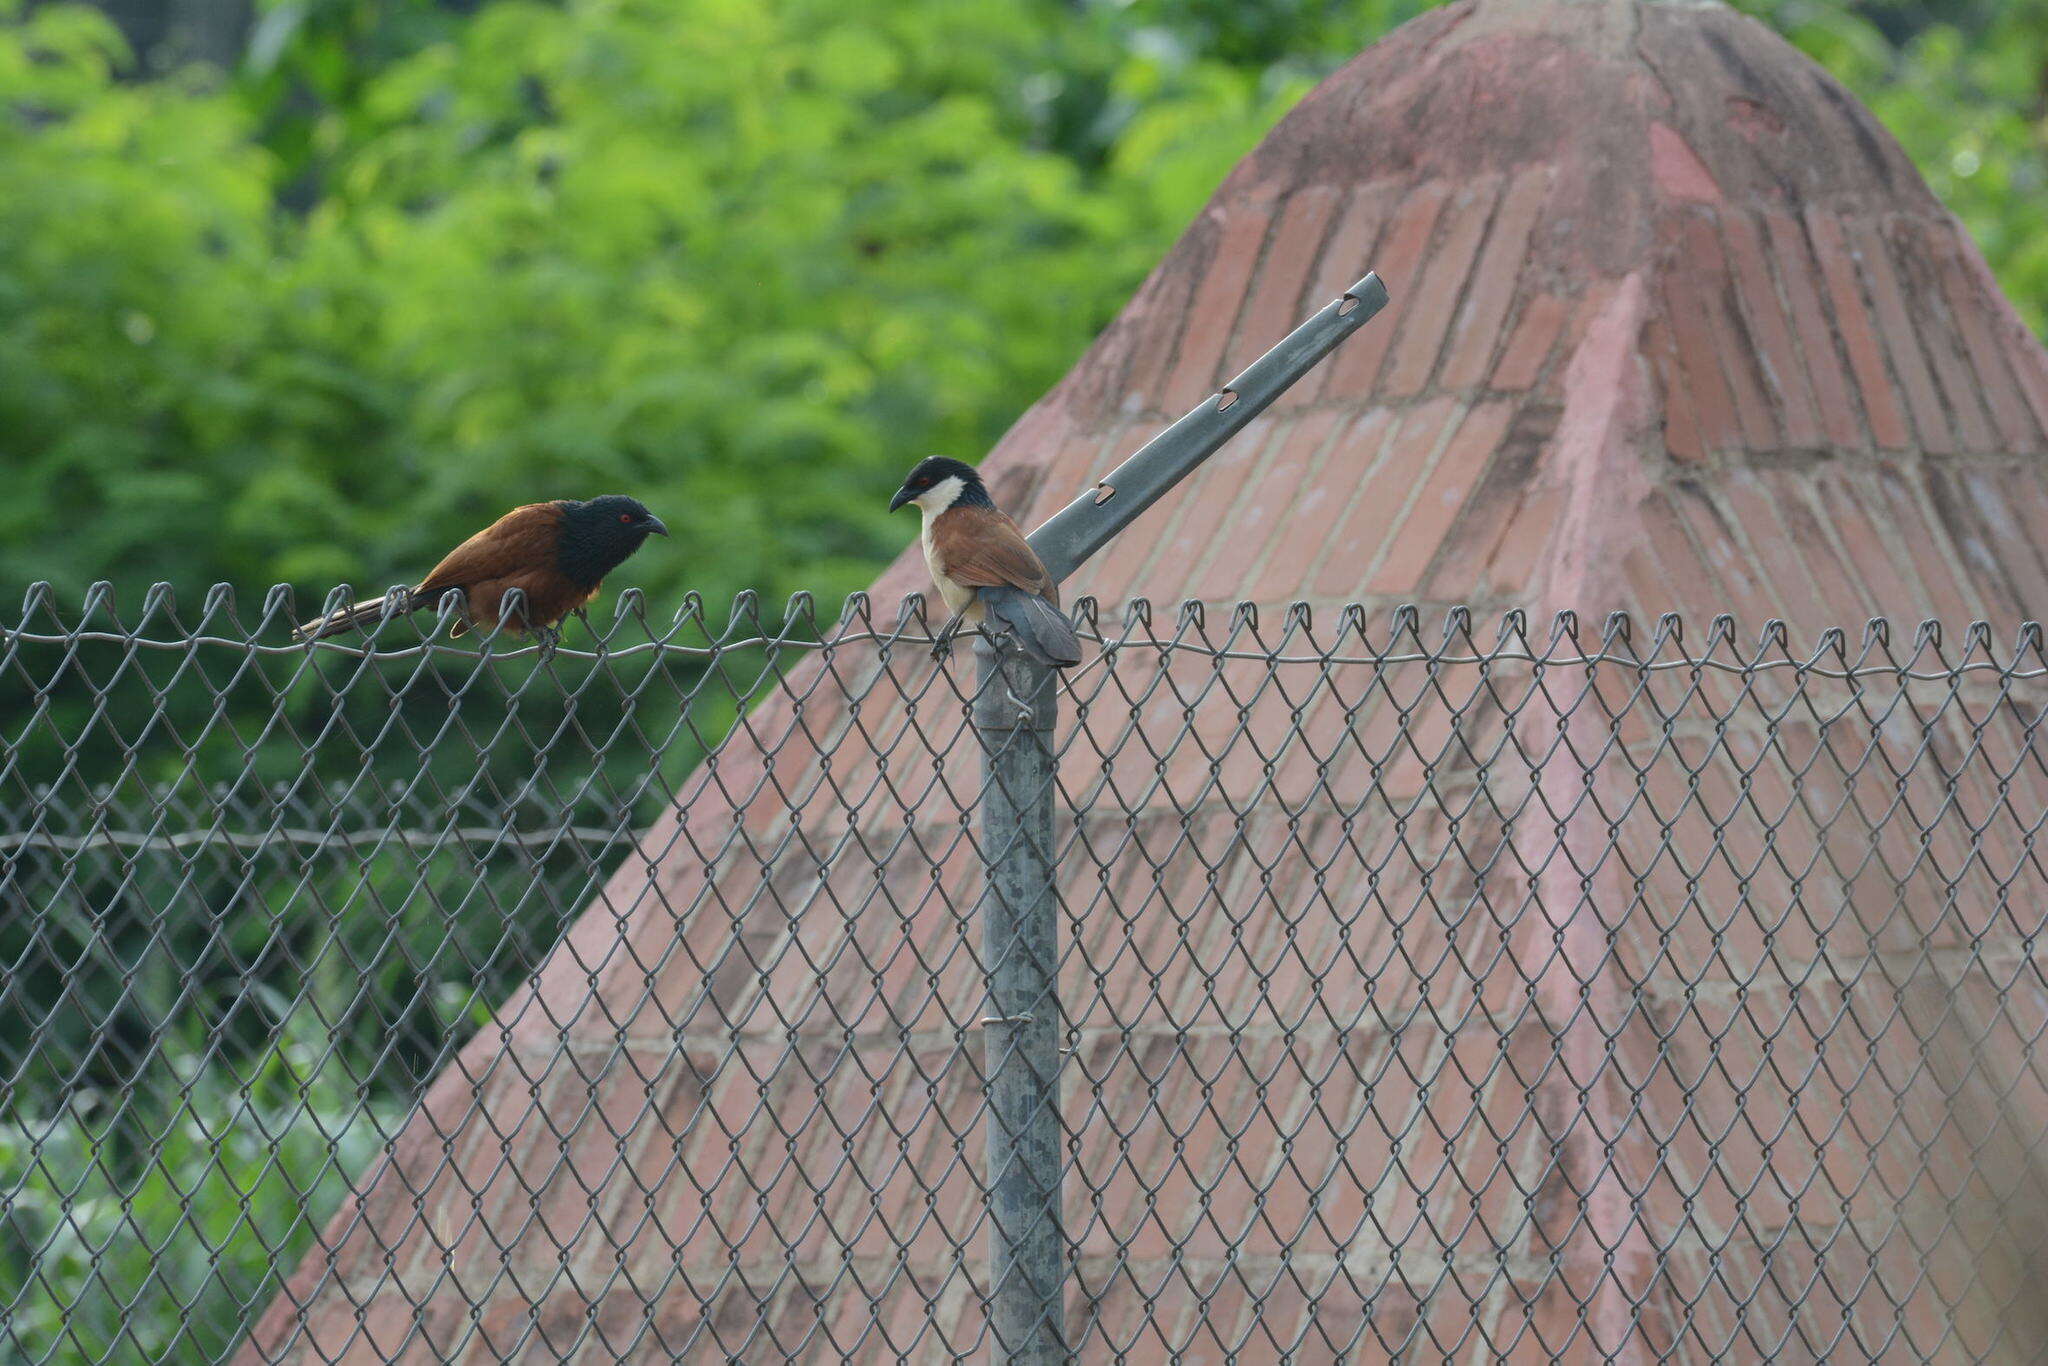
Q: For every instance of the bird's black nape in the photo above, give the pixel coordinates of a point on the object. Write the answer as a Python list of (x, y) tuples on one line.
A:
[(597, 536), (934, 470)]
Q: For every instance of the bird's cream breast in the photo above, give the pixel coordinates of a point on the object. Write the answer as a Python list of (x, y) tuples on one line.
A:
[(959, 598)]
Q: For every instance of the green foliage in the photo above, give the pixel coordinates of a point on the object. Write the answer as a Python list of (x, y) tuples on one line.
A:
[(1964, 87), (297, 892), (121, 1244), (743, 260)]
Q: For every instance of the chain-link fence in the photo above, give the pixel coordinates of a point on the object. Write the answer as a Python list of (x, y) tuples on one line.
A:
[(1426, 991)]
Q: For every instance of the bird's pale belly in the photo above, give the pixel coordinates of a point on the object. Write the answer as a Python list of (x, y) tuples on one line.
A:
[(960, 599)]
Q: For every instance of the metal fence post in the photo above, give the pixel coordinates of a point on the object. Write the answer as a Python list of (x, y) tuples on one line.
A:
[(1015, 708)]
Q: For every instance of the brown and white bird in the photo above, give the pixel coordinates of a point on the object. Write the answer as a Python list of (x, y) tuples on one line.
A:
[(556, 554), (986, 572)]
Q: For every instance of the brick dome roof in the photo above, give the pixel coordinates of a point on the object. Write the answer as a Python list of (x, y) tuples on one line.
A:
[(1644, 258)]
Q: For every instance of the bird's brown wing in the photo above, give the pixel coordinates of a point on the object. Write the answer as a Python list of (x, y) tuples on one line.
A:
[(982, 548), (520, 542)]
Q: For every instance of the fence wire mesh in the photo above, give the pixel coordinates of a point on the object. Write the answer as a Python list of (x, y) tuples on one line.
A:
[(1428, 990)]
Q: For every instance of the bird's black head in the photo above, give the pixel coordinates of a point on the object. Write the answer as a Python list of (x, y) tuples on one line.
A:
[(597, 536), (938, 482)]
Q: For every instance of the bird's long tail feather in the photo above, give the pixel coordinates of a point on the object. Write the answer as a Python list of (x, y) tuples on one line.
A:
[(356, 616), (1042, 631)]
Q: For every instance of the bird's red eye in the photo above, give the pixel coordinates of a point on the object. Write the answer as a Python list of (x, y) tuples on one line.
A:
[(626, 517)]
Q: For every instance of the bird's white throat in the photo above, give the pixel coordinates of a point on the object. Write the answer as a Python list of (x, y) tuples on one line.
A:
[(940, 496), (937, 499)]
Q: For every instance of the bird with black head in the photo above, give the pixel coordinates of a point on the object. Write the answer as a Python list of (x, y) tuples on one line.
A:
[(986, 572), (556, 554)]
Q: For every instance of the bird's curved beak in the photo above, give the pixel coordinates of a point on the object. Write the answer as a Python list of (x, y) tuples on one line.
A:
[(903, 495), (656, 527)]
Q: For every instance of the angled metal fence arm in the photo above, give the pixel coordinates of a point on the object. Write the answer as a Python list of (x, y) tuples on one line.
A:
[(1084, 526)]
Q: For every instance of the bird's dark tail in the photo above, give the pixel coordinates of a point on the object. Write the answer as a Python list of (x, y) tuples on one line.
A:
[(353, 617), (1042, 631)]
